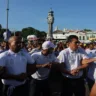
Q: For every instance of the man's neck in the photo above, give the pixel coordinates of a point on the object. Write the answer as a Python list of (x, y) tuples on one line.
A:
[(44, 54), (14, 51), (72, 49)]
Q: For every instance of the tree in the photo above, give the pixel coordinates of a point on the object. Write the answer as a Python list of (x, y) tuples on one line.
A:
[(32, 31), (28, 31), (87, 30), (43, 34), (25, 32)]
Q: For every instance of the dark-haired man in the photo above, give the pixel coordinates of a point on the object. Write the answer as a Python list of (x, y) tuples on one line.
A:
[(73, 60)]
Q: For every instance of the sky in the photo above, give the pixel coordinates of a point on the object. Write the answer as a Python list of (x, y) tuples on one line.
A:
[(70, 14)]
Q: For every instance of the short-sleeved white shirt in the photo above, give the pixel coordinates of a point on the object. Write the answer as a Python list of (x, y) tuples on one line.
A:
[(15, 63), (72, 60), (91, 53), (92, 67), (42, 73)]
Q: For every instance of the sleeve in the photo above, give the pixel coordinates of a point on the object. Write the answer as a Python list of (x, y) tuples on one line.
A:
[(61, 57), (55, 59), (85, 56), (34, 56), (2, 60), (30, 60)]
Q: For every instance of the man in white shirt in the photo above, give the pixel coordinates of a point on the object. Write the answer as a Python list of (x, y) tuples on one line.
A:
[(34, 48), (43, 61), (17, 66), (92, 67), (73, 60), (7, 35)]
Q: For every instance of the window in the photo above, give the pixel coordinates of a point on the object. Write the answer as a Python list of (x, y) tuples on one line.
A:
[(93, 36), (90, 36), (79, 37), (83, 37), (87, 37)]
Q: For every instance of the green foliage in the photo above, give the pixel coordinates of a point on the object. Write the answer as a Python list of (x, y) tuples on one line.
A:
[(32, 31), (25, 32), (87, 30)]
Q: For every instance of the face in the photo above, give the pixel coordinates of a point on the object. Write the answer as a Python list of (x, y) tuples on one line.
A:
[(15, 45), (48, 51), (91, 46), (74, 44), (23, 45)]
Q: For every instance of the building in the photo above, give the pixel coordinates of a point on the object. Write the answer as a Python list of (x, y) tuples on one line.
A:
[(83, 36)]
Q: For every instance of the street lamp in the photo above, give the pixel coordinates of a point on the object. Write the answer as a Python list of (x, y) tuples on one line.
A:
[(7, 33), (7, 17)]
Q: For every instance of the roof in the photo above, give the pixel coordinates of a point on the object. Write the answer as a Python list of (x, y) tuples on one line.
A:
[(58, 31), (68, 31)]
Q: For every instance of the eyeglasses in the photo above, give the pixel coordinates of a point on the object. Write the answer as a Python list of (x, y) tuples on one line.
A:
[(77, 42)]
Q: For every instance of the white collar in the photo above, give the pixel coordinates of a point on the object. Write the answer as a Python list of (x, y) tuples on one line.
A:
[(71, 51), (13, 53)]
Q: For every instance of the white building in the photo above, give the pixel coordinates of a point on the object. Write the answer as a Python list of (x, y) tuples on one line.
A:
[(82, 35)]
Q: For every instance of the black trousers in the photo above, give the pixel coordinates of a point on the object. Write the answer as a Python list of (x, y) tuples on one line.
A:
[(21, 90), (90, 83), (73, 86), (39, 88)]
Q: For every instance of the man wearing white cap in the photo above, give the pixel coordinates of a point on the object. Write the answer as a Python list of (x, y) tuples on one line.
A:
[(43, 61)]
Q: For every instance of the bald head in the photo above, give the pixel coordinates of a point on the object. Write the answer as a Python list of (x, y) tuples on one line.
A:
[(13, 38), (15, 43)]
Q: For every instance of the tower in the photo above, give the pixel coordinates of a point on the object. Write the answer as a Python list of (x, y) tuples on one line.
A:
[(50, 20)]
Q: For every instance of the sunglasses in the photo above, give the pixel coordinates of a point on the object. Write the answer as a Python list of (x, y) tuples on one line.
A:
[(77, 42)]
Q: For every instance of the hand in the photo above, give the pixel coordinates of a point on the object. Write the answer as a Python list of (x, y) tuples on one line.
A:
[(44, 65), (84, 61), (74, 72), (21, 77), (47, 65)]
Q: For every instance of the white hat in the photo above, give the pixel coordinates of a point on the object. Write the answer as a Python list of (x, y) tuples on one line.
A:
[(47, 45)]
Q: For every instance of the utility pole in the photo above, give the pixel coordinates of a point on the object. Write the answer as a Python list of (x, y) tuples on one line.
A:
[(7, 18)]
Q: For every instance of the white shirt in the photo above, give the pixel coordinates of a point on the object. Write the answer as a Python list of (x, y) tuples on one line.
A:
[(15, 63), (92, 67), (91, 53), (6, 35), (42, 73), (72, 60), (34, 51)]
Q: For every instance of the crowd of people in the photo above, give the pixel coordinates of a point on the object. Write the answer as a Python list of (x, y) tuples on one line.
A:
[(25, 67)]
